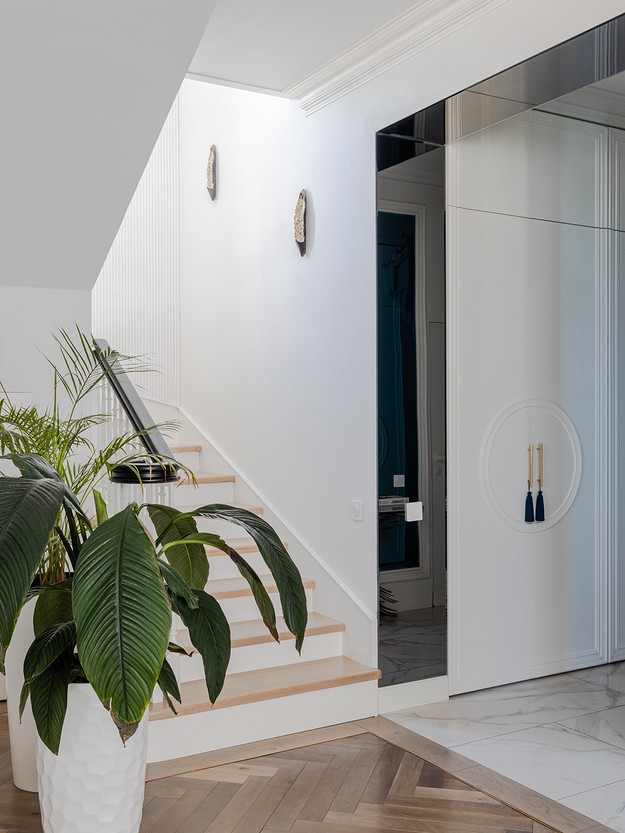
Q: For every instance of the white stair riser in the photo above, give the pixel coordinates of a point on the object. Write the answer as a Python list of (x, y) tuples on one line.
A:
[(223, 528), (218, 729), (267, 655), (243, 608), (222, 567), (191, 459), (202, 494)]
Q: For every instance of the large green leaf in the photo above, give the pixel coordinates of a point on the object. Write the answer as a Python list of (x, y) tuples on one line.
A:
[(261, 596), (189, 559), (101, 511), (28, 511), (210, 634), (35, 467), (48, 697), (123, 617), (280, 563), (168, 684), (53, 606), (176, 583), (47, 647)]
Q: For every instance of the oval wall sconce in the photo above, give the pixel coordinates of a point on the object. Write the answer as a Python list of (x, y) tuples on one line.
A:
[(211, 172), (300, 223)]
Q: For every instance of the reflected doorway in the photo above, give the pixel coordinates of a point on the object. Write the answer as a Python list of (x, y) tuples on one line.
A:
[(411, 418)]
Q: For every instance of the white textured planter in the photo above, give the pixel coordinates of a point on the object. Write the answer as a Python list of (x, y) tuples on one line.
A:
[(3, 687), (95, 784), (23, 736)]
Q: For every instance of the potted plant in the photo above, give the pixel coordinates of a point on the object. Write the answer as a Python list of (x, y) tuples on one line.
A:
[(102, 634), (65, 435)]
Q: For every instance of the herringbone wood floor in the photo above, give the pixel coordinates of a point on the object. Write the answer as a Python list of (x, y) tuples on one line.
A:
[(360, 781)]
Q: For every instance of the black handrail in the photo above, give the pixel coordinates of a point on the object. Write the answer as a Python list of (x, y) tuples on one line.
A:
[(159, 465)]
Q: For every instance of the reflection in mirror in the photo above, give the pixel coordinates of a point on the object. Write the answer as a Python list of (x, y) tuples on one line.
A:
[(411, 403), (535, 146), (586, 59)]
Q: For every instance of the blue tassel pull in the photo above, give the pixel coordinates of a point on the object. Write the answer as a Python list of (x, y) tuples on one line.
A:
[(529, 507), (540, 501), (540, 507)]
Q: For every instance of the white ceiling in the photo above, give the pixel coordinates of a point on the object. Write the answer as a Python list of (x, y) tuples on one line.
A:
[(271, 44)]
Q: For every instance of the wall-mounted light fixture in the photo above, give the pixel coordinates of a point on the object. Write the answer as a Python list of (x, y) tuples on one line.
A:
[(300, 223), (211, 172)]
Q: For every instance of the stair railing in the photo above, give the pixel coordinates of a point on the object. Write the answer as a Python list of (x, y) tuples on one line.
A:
[(148, 478)]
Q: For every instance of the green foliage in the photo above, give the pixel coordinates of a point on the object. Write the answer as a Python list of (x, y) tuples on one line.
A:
[(123, 618), (210, 633), (28, 512), (61, 441), (48, 697), (109, 623), (53, 606), (277, 559), (188, 557), (168, 684)]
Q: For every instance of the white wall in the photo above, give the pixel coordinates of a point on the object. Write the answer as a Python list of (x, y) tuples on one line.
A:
[(29, 317), (85, 88), (278, 352)]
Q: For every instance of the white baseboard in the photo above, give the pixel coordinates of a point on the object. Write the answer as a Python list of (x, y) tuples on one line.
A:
[(409, 588), (406, 695), (440, 598)]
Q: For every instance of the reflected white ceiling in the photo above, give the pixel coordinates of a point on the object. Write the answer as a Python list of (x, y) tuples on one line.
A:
[(601, 103)]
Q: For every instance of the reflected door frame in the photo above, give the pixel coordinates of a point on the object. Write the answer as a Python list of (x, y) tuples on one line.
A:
[(423, 573)]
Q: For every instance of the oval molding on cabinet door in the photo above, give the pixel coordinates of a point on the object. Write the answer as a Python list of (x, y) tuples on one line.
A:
[(504, 462)]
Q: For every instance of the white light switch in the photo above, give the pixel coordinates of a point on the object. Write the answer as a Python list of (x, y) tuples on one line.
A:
[(356, 510), (399, 481), (414, 511)]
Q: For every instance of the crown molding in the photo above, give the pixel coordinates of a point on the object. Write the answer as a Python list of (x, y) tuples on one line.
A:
[(224, 82), (396, 41)]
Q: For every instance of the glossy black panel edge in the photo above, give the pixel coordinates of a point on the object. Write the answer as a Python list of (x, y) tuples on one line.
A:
[(585, 59)]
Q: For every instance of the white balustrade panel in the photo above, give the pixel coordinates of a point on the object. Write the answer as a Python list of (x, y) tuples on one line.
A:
[(136, 300)]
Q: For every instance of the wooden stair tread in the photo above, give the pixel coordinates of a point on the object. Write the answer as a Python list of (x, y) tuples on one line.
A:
[(240, 545), (269, 684), (254, 632), (206, 477), (234, 588), (185, 449)]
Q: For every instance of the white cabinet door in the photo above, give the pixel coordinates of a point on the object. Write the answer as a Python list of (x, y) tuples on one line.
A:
[(525, 307)]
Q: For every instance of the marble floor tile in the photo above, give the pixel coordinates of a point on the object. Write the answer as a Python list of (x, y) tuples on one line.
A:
[(609, 676), (408, 675), (553, 760), (605, 804), (607, 726), (498, 711), (413, 646)]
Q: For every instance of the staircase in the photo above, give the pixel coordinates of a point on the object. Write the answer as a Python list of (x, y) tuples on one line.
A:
[(269, 690)]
